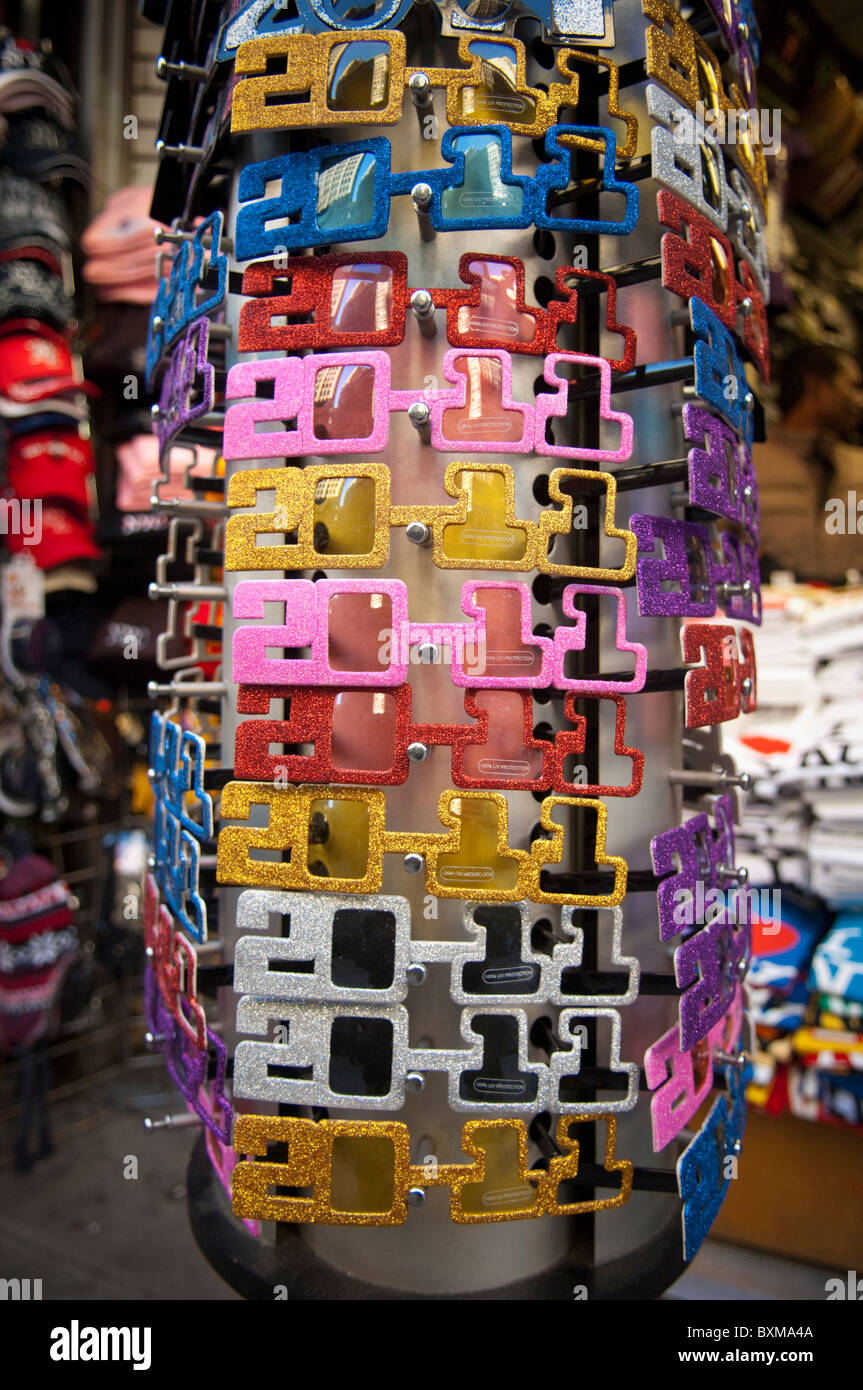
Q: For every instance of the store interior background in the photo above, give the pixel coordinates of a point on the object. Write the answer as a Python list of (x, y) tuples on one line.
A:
[(795, 1215)]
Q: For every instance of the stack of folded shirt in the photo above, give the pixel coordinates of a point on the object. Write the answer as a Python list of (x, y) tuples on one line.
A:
[(120, 249), (48, 483), (834, 1050), (804, 746), (777, 992), (801, 832), (783, 942)]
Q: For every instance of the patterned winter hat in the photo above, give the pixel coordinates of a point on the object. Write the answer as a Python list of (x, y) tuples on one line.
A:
[(38, 944)]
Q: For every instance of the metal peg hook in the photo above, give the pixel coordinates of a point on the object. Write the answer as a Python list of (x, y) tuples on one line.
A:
[(162, 237), (711, 777), (186, 689), (730, 590), (191, 507), (189, 593), (186, 154), (423, 308), (731, 1059), (419, 415), (187, 72), (421, 197), (420, 89), (731, 875), (185, 1120), (418, 533)]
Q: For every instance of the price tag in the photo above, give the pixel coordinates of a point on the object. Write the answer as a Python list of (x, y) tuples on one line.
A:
[(22, 590)]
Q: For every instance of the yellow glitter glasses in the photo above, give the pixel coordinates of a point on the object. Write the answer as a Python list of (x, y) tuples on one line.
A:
[(341, 516), (361, 1174), (359, 78), (472, 860)]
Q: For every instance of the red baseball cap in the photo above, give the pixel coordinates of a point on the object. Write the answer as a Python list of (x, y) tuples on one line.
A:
[(35, 363), (53, 465), (58, 538)]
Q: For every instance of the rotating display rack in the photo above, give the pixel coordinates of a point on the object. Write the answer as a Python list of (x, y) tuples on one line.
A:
[(446, 934)]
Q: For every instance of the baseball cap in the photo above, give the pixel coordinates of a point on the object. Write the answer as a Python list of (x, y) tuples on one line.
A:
[(28, 289), (28, 209), (35, 362), (53, 466), (38, 147), (36, 417), (64, 537), (62, 410)]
